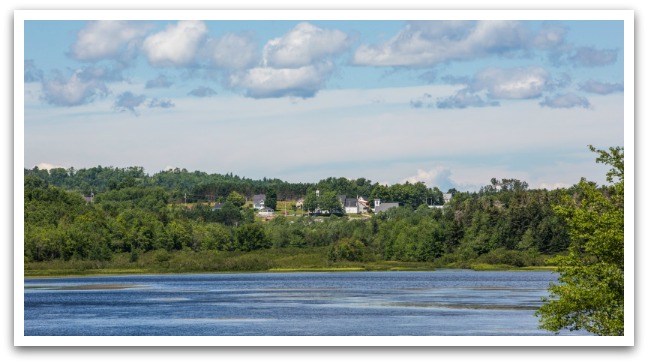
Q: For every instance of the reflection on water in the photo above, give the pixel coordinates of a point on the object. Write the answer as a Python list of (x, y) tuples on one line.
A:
[(445, 302)]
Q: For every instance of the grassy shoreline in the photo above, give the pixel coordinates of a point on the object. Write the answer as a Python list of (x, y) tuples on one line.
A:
[(281, 260), (376, 267)]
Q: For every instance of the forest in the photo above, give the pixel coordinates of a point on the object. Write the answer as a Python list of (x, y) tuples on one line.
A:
[(121, 217)]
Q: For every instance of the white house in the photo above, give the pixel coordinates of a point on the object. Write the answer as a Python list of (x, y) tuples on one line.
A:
[(259, 201), (351, 205), (363, 204)]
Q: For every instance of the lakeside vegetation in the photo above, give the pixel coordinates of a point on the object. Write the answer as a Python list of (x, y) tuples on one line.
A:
[(133, 221)]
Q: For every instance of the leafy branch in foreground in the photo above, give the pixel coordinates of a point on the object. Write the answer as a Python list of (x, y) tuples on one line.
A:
[(591, 289)]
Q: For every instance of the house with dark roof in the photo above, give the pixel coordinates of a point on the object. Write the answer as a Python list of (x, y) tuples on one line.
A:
[(383, 206), (259, 201), (351, 205)]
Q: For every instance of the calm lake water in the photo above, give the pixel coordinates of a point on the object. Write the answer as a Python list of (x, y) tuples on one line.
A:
[(439, 303)]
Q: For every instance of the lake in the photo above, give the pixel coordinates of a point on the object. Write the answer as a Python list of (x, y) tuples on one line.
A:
[(438, 303)]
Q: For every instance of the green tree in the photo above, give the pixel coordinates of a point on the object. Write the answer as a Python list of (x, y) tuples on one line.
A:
[(589, 295), (251, 237), (347, 249), (236, 199), (271, 199)]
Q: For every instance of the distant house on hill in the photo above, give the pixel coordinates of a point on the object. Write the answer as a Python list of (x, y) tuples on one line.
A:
[(363, 204), (299, 204), (259, 201), (354, 205), (218, 206), (380, 207), (351, 205)]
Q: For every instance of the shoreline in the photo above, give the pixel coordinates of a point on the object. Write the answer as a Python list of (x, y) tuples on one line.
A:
[(130, 272)]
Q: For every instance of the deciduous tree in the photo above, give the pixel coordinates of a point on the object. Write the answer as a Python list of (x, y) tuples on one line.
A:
[(589, 295)]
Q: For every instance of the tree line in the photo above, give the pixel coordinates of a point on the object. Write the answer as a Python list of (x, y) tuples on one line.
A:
[(133, 213)]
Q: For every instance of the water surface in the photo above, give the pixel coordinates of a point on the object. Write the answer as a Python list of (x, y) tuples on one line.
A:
[(439, 303)]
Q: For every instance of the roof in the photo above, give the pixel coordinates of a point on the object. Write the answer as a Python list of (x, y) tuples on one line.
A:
[(385, 206), (258, 199), (351, 202), (218, 206)]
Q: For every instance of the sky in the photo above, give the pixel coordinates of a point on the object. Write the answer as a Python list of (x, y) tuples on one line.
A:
[(450, 103)]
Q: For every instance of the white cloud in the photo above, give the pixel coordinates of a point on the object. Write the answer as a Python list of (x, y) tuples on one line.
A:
[(304, 45), (264, 82), (516, 83), (435, 177), (107, 39), (429, 43), (74, 91), (232, 51), (177, 45)]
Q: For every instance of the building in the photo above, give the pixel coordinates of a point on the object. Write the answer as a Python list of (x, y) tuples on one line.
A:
[(351, 205), (217, 206), (259, 201), (363, 204), (380, 207)]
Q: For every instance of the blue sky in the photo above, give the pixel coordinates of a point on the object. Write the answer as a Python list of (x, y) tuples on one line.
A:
[(448, 103)]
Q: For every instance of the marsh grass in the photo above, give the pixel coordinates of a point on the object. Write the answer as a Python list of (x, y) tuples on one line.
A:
[(289, 259)]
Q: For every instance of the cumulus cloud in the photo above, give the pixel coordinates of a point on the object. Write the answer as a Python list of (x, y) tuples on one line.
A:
[(298, 64), (516, 83), (74, 91), (161, 81), (108, 39), (32, 73), (566, 101), (128, 101), (164, 104), (601, 88), (463, 99), (304, 45), (202, 91), (430, 43), (263, 82), (435, 177), (592, 57), (176, 46), (232, 51)]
